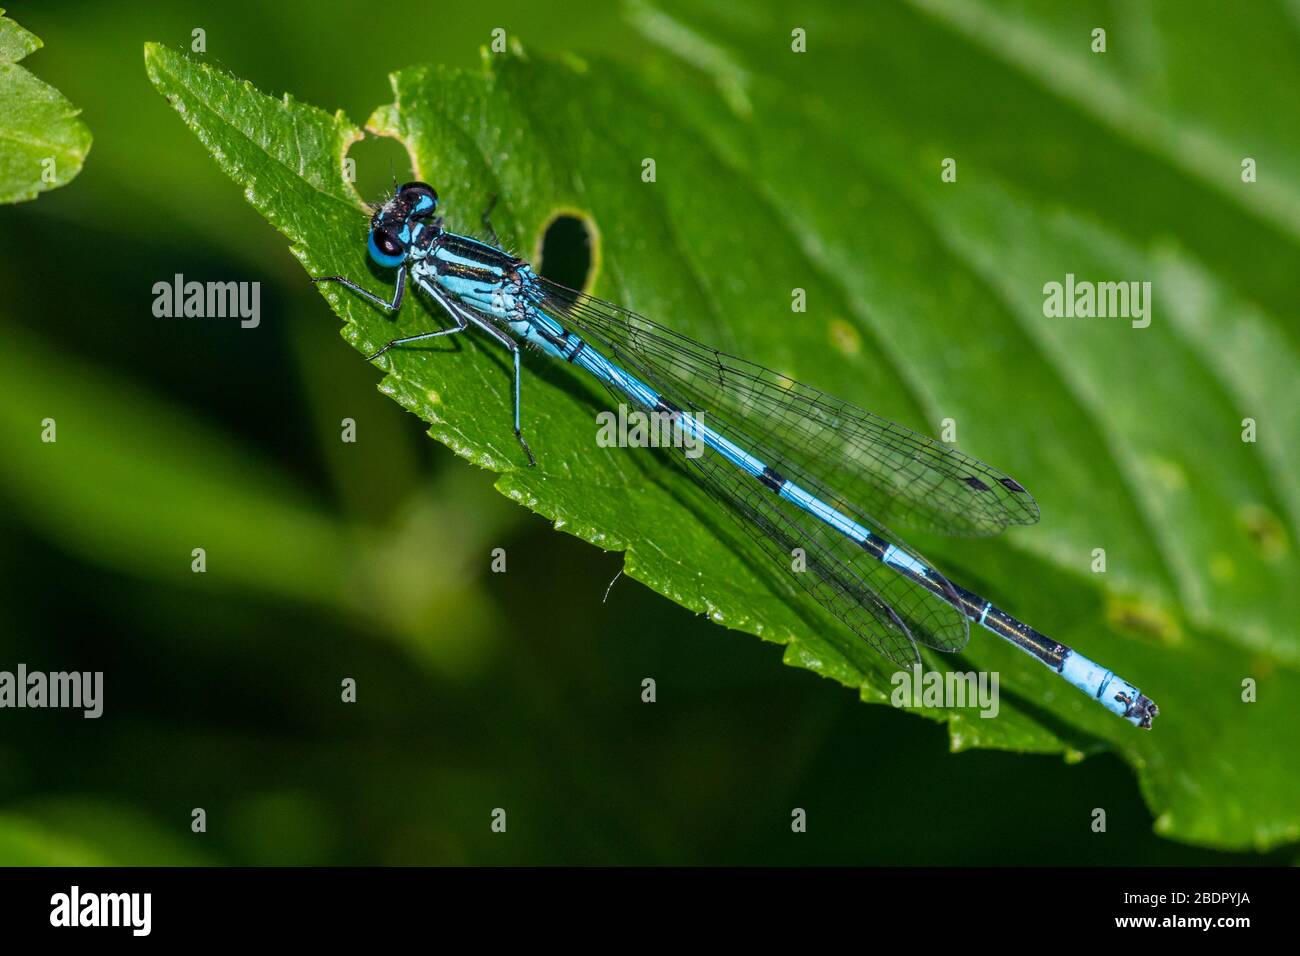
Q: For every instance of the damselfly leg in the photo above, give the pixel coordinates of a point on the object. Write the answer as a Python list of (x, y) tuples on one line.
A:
[(369, 296), (461, 326)]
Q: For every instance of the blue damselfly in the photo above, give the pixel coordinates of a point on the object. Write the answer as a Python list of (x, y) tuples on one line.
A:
[(798, 468)]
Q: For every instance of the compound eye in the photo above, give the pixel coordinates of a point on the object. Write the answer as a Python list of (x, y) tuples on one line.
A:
[(385, 248), (420, 198)]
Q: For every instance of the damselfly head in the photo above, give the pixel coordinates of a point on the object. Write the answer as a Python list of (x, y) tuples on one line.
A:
[(409, 202), (390, 227)]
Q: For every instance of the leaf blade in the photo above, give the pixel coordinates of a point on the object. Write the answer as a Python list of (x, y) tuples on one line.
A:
[(42, 142)]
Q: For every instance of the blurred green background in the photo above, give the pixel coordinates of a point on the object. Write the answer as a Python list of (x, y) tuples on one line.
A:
[(371, 560)]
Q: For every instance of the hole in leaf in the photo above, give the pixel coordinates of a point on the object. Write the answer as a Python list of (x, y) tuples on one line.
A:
[(377, 161), (568, 251)]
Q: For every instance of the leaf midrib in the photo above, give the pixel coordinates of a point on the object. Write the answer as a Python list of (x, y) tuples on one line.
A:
[(152, 58)]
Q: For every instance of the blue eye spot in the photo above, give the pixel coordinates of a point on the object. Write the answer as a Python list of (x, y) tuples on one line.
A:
[(385, 249)]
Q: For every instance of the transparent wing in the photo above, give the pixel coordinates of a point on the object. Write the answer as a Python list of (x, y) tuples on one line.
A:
[(892, 472), (885, 608)]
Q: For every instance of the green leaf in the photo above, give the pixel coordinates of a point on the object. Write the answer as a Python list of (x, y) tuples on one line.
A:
[(27, 843), (1152, 87), (754, 197), (1135, 435), (42, 143), (86, 831)]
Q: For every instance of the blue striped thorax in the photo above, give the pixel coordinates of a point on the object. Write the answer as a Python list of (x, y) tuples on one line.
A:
[(488, 279)]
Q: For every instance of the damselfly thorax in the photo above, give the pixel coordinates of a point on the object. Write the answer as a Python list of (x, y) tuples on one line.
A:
[(493, 282)]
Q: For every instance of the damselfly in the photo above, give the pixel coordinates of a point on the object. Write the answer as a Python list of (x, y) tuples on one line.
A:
[(798, 468)]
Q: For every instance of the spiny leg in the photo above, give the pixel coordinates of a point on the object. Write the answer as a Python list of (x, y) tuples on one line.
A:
[(507, 343), (367, 294), (464, 317), (461, 325), (514, 347)]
